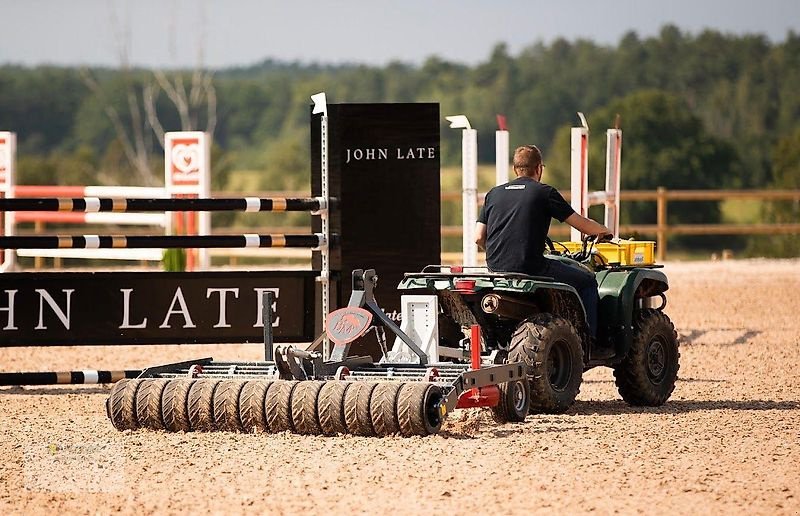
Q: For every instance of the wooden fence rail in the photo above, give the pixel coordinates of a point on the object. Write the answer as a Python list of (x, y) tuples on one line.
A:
[(661, 230)]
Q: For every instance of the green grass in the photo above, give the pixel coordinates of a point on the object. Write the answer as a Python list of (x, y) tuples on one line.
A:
[(741, 211)]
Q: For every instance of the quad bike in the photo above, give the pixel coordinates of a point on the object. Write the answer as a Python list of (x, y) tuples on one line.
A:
[(542, 323)]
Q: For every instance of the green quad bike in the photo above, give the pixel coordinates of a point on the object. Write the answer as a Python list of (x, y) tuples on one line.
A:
[(542, 322)]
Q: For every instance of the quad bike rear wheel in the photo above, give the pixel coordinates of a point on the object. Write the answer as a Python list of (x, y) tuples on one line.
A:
[(647, 375), (551, 348)]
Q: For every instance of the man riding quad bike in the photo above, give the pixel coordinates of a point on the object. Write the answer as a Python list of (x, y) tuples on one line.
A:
[(542, 322)]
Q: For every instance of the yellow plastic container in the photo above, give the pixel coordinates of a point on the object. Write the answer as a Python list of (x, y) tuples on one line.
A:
[(624, 252)]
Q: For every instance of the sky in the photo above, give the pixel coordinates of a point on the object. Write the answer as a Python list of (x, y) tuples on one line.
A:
[(226, 33)]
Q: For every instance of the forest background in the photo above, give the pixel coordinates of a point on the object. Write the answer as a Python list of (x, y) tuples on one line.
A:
[(698, 111)]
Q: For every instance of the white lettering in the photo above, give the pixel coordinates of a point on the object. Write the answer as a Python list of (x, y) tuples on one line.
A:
[(10, 310), (348, 156), (184, 311), (261, 293), (431, 152), (358, 154), (63, 317), (223, 294), (383, 153), (126, 311), (370, 153)]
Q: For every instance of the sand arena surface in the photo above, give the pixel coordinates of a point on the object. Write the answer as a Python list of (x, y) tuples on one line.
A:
[(728, 441)]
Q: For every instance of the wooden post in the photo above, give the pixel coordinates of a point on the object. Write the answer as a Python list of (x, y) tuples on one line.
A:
[(661, 221)]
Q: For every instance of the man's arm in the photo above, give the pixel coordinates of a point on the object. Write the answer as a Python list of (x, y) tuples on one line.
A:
[(480, 236), (588, 226)]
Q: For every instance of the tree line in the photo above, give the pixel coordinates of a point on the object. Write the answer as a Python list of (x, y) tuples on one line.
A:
[(705, 110)]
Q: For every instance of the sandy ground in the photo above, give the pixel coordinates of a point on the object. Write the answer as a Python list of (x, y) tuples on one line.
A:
[(727, 442)]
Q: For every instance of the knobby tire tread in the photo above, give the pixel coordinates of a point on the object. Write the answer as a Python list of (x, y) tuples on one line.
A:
[(174, 405), (330, 404), (251, 406)]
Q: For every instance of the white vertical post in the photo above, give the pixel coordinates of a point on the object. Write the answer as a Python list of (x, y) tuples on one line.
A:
[(501, 151), (321, 106), (579, 152), (613, 174), (325, 251), (8, 158), (187, 157), (469, 194)]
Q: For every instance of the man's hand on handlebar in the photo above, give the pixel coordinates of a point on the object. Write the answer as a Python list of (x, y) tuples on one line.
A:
[(600, 237)]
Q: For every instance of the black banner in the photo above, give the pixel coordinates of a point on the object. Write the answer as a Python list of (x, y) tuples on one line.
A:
[(76, 308), (384, 168)]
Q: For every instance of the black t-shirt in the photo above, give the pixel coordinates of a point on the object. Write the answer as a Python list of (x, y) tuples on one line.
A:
[(517, 217)]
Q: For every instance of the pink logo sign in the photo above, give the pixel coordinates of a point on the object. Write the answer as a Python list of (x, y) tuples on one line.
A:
[(185, 160), (4, 158)]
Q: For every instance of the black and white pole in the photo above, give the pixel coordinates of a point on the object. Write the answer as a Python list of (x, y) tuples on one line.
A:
[(125, 205), (65, 377), (321, 106), (313, 241)]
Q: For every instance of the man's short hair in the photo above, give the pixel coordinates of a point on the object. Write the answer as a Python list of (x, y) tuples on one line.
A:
[(527, 159)]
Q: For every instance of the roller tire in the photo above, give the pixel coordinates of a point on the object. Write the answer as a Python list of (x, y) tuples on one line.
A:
[(278, 407), (121, 405), (226, 406), (383, 408), (251, 406), (647, 375), (551, 348), (175, 405), (330, 404), (148, 404), (515, 402), (356, 408), (418, 409), (201, 405), (305, 412)]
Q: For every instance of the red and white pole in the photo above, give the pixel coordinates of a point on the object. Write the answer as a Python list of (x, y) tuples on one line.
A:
[(8, 158), (579, 152), (501, 151)]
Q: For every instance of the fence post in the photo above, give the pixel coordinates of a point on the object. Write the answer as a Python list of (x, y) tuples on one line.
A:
[(661, 221)]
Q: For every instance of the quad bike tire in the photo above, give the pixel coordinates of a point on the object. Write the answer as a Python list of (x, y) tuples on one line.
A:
[(383, 408), (121, 405), (647, 375), (418, 409), (356, 408), (278, 406), (226, 406), (174, 405), (148, 404), (251, 406), (515, 402), (551, 348), (201, 405), (330, 404), (305, 412)]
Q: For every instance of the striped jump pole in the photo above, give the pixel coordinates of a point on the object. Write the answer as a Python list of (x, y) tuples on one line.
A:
[(314, 241), (65, 377), (114, 204)]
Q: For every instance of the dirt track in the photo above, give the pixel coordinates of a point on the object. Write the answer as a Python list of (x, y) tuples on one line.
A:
[(728, 441)]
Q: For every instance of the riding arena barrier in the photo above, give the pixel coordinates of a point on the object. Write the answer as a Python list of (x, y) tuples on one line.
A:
[(378, 215)]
